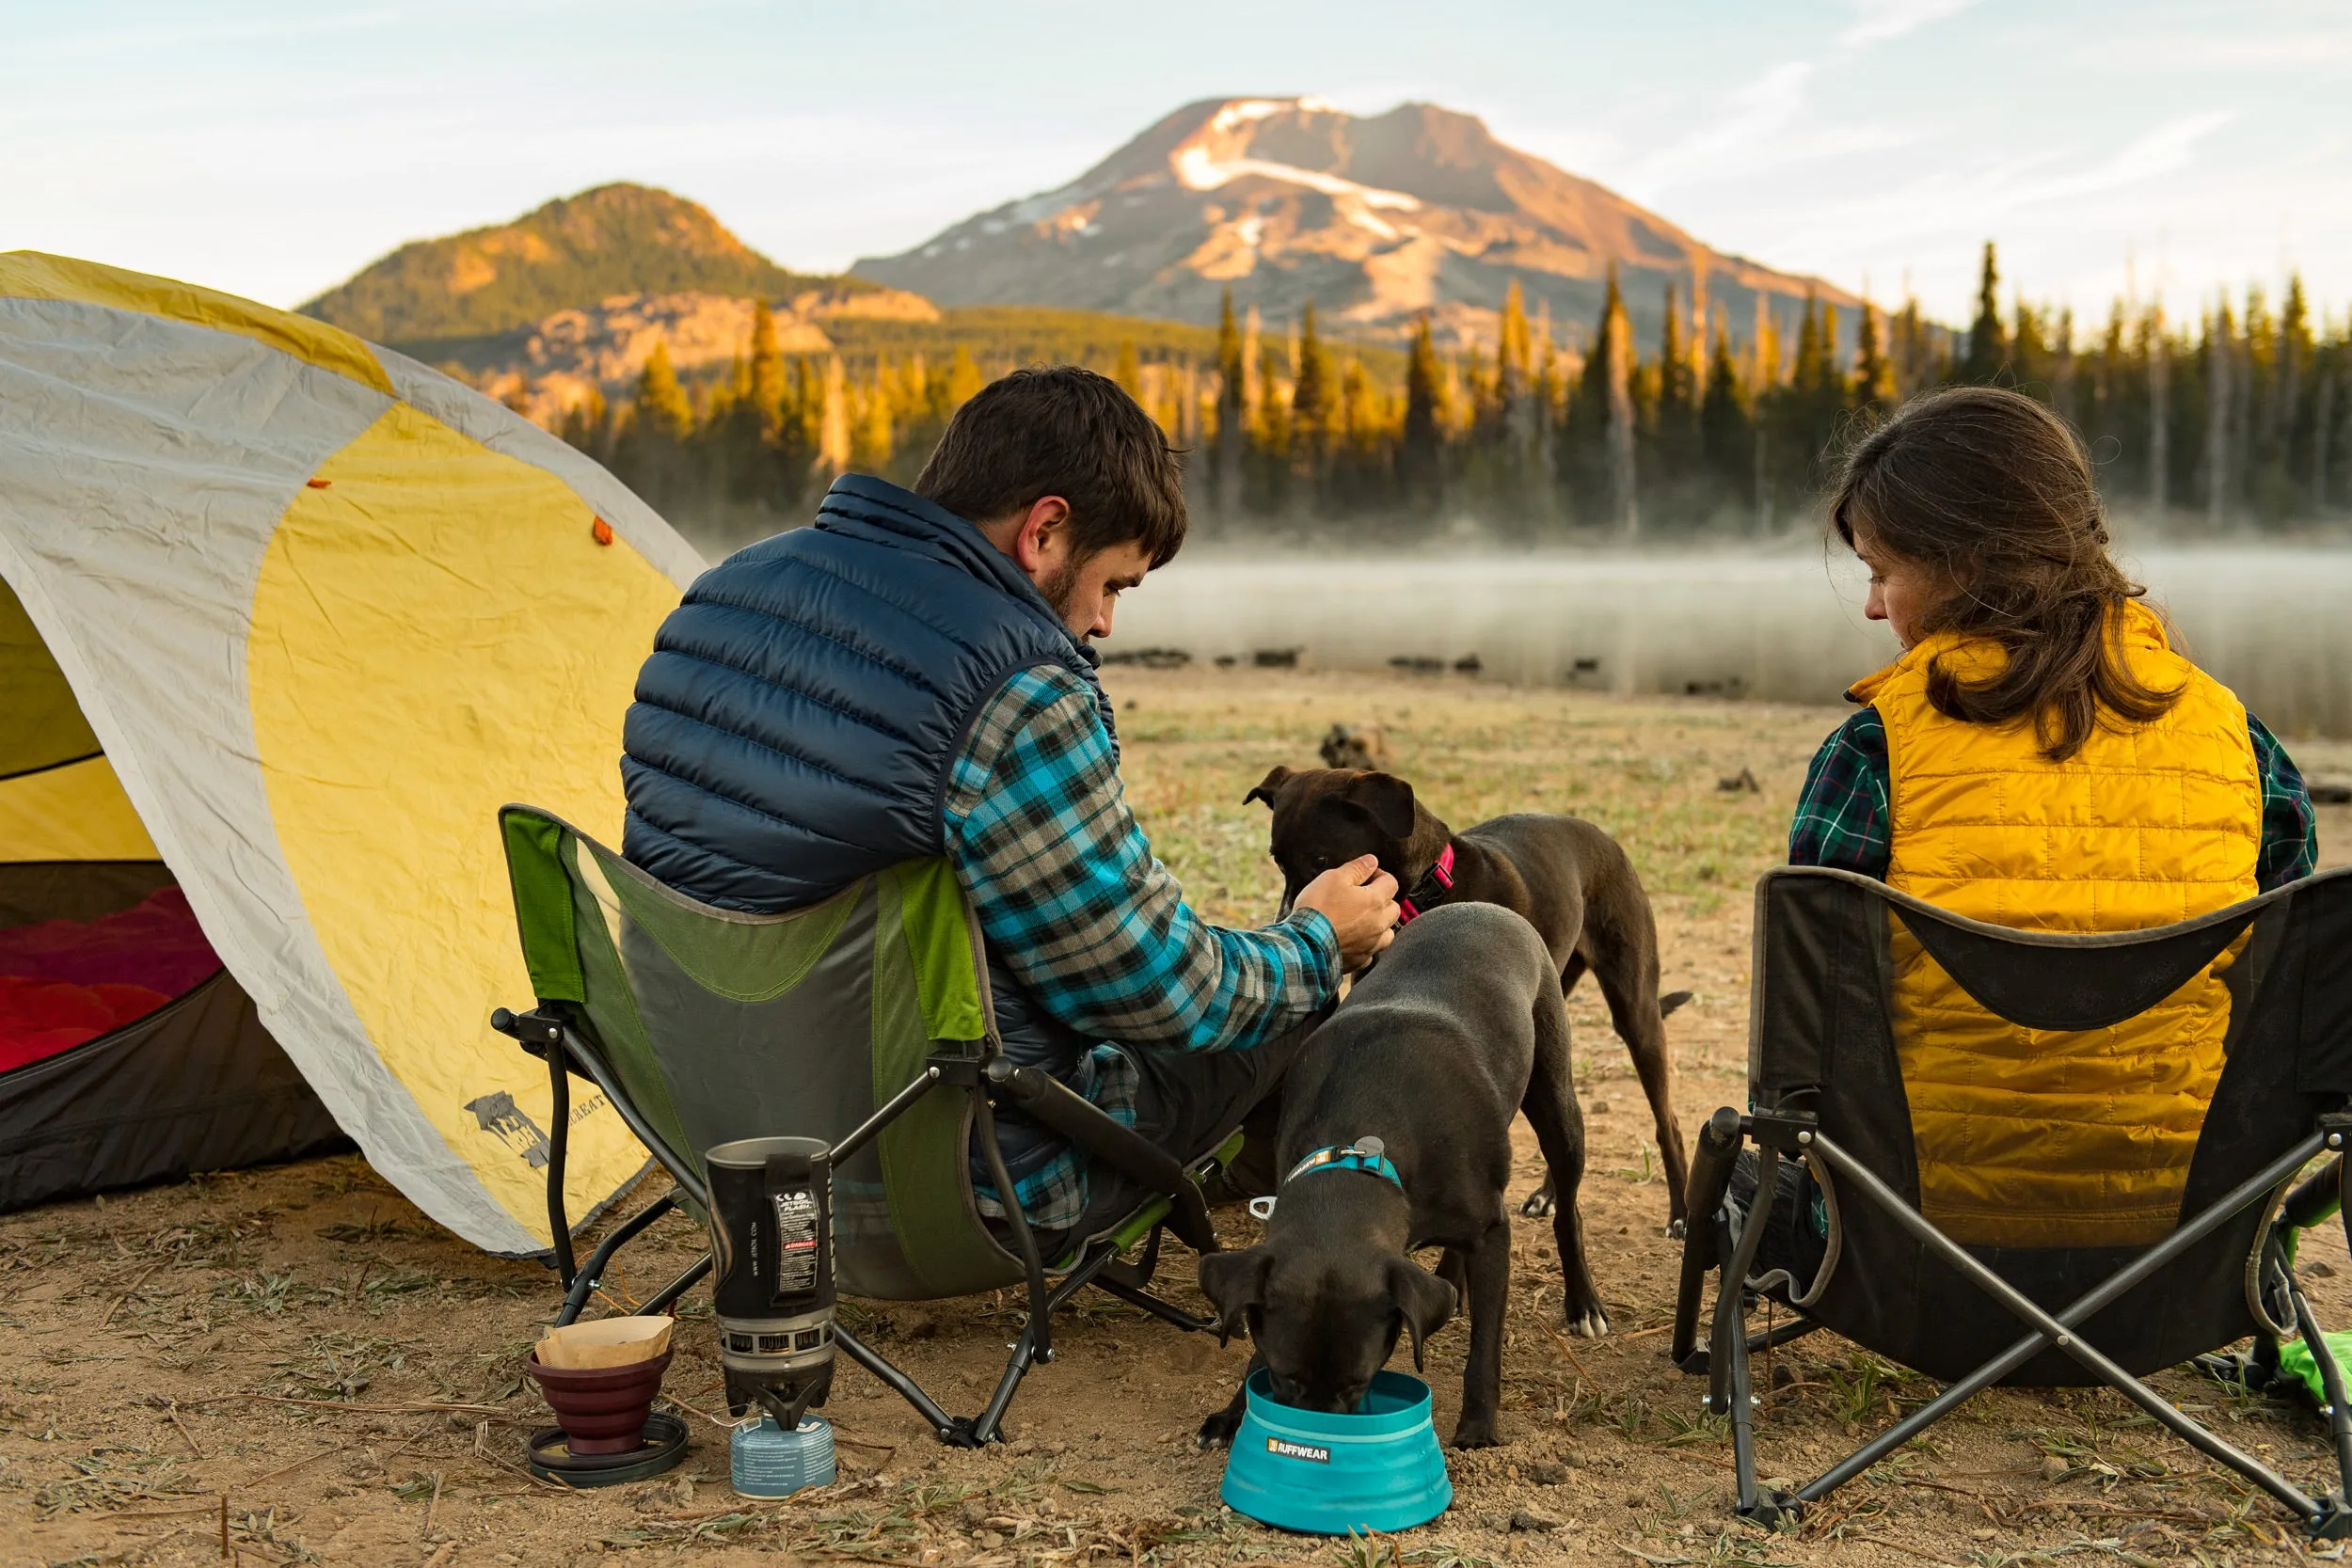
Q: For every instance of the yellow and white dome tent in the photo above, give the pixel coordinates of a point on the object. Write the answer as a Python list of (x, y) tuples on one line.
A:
[(293, 615)]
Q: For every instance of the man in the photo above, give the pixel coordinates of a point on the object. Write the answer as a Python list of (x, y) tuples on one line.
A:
[(914, 676)]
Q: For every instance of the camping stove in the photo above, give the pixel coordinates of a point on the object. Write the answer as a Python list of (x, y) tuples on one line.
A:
[(771, 1255)]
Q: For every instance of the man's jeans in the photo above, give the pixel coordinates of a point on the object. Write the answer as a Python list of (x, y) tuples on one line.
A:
[(1187, 1103)]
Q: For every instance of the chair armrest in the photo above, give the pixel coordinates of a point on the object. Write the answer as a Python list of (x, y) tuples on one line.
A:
[(1105, 1137), (1710, 1178)]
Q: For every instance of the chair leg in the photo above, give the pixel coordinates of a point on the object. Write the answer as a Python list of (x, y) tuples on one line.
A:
[(1730, 1392), (1024, 1352), (2058, 1332), (559, 1148), (1164, 1310), (661, 1299), (1710, 1179), (2333, 1521), (1024, 1239), (954, 1430), (586, 1282)]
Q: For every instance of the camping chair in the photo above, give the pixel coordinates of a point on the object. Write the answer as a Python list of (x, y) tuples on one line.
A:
[(862, 1021), (1828, 1089)]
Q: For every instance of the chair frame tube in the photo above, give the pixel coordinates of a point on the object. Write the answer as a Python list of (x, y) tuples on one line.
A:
[(547, 1032), (2326, 1517)]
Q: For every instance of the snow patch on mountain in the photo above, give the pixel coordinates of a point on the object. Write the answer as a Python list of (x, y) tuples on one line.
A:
[(1241, 111), (1199, 171)]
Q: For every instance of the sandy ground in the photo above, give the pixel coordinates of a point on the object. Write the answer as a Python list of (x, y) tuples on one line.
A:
[(294, 1365)]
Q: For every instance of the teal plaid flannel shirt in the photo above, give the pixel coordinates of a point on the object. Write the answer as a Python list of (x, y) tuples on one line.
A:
[(1843, 818), (1071, 899)]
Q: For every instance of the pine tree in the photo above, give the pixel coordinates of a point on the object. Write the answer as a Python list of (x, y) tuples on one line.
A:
[(1513, 349), (1231, 412), (1420, 449), (2157, 351), (1725, 439), (832, 420), (964, 379), (873, 445), (1310, 394), (1764, 349), (763, 384), (1913, 350), (2062, 367), (1274, 415), (1613, 353), (1873, 372), (2029, 355), (2287, 434), (1812, 363), (2221, 389), (1270, 433), (662, 402), (1988, 344)]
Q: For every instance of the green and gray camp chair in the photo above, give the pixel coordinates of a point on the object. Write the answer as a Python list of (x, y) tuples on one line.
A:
[(1827, 1087), (862, 1021)]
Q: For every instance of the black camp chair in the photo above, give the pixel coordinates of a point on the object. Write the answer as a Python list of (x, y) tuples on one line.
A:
[(1828, 1088), (860, 1020)]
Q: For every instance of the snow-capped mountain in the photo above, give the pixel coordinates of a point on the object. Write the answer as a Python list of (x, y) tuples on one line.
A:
[(1376, 218)]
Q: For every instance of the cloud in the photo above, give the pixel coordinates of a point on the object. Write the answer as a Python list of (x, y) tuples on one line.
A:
[(1760, 123), (1751, 113), (1880, 21), (1954, 207)]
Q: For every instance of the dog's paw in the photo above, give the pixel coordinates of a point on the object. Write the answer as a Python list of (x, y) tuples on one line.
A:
[(1472, 1433), (1217, 1431), (1590, 1323), (1676, 1230), (1539, 1203)]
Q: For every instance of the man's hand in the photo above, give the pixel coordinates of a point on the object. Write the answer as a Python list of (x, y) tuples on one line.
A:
[(1360, 900)]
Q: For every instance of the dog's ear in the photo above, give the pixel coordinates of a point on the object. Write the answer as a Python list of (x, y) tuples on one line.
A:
[(1423, 1300), (1275, 778), (1386, 798), (1234, 1282)]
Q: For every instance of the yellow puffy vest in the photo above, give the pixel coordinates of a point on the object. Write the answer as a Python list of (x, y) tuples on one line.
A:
[(2031, 1137)]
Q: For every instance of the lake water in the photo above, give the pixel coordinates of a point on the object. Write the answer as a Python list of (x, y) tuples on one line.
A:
[(2276, 625)]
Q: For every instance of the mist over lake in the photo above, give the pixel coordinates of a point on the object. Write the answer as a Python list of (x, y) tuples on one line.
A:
[(2273, 625)]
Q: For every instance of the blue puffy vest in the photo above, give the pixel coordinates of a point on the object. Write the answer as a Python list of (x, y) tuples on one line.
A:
[(794, 728)]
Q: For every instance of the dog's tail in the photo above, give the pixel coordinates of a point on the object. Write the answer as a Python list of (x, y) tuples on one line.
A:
[(1668, 1003)]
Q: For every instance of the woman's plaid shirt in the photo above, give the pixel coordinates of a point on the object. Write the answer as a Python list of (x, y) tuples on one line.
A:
[(1073, 904), (1843, 819)]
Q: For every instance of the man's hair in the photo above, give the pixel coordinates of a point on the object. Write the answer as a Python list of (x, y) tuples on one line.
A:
[(1063, 432)]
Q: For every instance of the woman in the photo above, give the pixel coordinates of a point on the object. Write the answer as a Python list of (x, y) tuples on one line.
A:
[(2039, 756)]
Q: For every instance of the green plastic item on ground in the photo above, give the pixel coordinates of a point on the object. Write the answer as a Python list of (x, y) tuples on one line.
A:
[(2296, 1361)]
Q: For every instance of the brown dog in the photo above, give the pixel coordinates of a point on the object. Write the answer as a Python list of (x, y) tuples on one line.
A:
[(1566, 877)]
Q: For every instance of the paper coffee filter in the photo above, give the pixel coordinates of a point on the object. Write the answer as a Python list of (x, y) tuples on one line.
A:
[(606, 1342)]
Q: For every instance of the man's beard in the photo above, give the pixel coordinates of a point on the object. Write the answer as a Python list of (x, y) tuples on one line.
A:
[(1059, 589)]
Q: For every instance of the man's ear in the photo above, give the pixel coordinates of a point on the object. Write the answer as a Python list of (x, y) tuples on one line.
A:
[(1275, 778), (1386, 798), (1423, 1300), (1234, 1282)]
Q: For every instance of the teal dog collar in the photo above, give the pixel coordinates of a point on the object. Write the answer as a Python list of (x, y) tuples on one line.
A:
[(1364, 1154)]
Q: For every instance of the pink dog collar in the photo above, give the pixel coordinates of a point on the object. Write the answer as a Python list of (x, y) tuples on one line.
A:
[(1441, 872)]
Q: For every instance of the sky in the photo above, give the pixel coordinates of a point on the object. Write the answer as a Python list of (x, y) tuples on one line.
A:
[(273, 149)]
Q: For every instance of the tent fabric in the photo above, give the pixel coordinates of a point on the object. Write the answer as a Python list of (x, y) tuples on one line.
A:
[(324, 611), (196, 1085), (65, 982)]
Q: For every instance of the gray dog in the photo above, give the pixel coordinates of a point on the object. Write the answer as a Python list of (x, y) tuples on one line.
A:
[(1568, 877), (1396, 1134)]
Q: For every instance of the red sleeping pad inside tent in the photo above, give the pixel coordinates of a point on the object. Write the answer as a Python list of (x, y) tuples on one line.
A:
[(65, 982)]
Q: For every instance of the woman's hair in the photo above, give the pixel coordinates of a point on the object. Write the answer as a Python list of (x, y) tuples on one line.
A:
[(1993, 492)]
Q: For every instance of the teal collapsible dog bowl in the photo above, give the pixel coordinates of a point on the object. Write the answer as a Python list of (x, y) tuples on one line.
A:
[(1377, 1467)]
